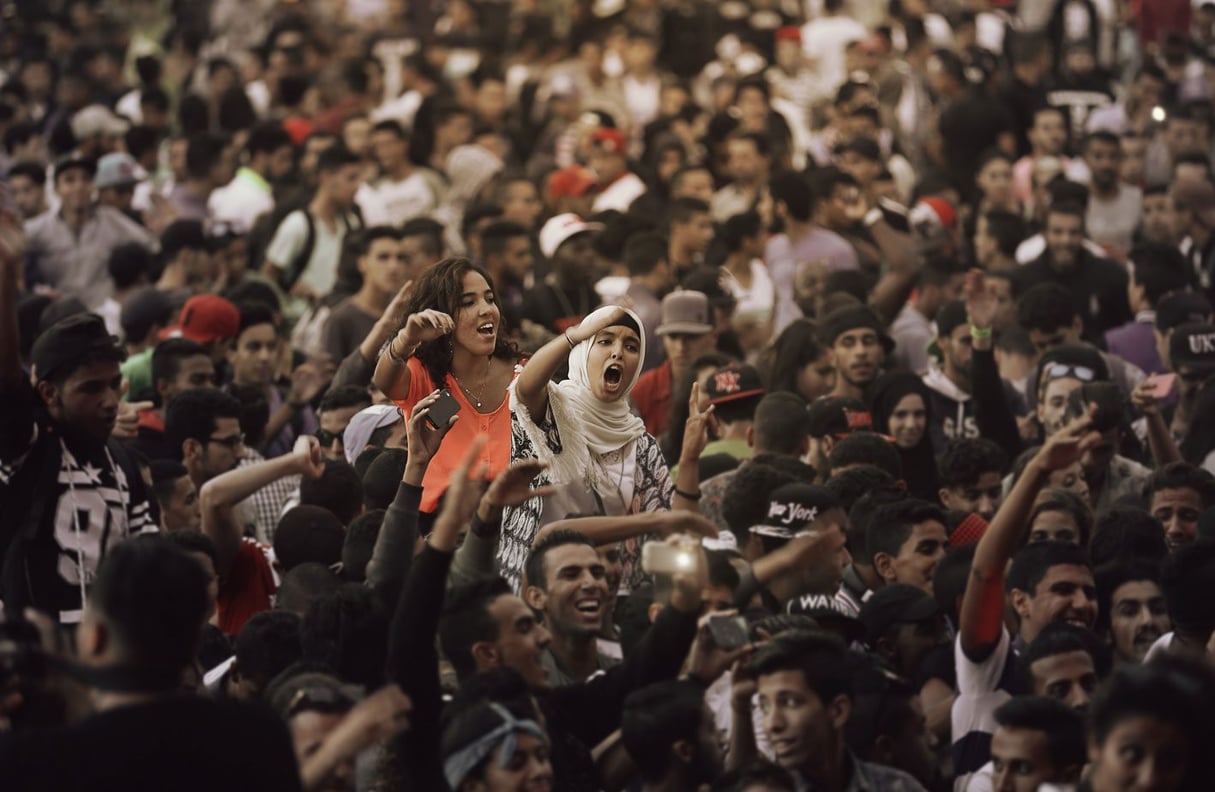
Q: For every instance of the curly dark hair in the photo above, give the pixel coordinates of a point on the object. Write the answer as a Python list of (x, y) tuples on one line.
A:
[(440, 289)]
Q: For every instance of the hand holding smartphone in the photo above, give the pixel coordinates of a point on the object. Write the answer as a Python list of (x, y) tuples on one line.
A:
[(439, 414), (1162, 385)]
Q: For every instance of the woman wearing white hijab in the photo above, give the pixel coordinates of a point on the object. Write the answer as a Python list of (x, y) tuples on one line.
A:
[(600, 457)]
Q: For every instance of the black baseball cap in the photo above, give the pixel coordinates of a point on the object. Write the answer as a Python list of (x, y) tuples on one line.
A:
[(896, 603), (733, 382), (72, 341), (851, 317), (1183, 307), (830, 614), (1193, 346), (838, 416), (75, 160), (793, 508)]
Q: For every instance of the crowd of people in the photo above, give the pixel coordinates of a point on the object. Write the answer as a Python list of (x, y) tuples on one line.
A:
[(504, 395)]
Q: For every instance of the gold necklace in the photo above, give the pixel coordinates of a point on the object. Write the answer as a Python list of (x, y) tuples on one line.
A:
[(481, 390)]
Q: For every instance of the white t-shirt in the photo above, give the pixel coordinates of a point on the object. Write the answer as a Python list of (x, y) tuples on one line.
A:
[(620, 194), (320, 273), (241, 201), (386, 202), (824, 41), (755, 303), (981, 689)]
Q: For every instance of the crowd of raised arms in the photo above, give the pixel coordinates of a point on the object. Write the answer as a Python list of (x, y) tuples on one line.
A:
[(607, 395)]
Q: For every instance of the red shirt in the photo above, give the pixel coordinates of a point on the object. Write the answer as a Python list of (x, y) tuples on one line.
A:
[(246, 589), (652, 397)]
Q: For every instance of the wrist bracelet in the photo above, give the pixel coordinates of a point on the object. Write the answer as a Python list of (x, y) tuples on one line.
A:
[(686, 495), (569, 340), (980, 334), (392, 355)]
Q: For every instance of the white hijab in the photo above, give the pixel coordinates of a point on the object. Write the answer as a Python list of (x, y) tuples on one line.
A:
[(587, 424)]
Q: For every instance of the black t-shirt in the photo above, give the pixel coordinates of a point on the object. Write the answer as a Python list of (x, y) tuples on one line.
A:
[(969, 127), (550, 306), (1098, 287), (181, 742)]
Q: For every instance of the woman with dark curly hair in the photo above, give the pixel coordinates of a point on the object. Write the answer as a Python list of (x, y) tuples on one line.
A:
[(452, 339)]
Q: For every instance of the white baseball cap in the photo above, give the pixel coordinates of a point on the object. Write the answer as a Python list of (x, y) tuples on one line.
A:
[(560, 228)]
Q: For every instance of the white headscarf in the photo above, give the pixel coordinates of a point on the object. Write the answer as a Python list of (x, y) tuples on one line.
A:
[(586, 423)]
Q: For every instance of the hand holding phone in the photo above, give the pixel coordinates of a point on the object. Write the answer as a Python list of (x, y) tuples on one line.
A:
[(660, 558), (729, 632), (439, 414), (1162, 385)]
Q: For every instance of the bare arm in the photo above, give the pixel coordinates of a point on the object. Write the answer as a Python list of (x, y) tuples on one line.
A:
[(307, 382), (982, 613), (609, 530), (221, 493), (1160, 439), (392, 370), (901, 273), (695, 438)]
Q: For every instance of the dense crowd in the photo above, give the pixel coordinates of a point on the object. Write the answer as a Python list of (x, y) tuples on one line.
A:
[(649, 395)]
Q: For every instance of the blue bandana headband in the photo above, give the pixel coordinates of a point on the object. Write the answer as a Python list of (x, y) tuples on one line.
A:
[(457, 766)]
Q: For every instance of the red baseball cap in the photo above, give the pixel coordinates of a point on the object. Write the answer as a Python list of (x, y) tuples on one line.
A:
[(789, 33), (206, 318), (608, 139), (571, 182)]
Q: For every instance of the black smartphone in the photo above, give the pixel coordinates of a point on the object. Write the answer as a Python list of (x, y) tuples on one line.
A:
[(729, 632), (440, 413)]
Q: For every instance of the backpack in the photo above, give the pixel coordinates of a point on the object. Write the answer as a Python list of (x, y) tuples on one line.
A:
[(268, 224), (352, 220)]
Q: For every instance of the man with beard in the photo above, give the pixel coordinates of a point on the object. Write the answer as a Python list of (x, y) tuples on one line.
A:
[(1131, 607), (669, 734), (1114, 208), (1097, 285), (856, 336)]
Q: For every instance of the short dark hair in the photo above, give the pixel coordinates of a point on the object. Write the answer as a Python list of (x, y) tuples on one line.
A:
[(643, 252), (370, 236), (1124, 533), (203, 150), (536, 573), (128, 263), (794, 192), (194, 542), (253, 314), (1066, 501), (1114, 576), (345, 396), (338, 490), (466, 621), (1099, 136), (851, 485), (1166, 689), (429, 231), (308, 533), (1159, 269), (267, 138), (821, 658), (782, 423), (168, 355), (345, 630), (359, 544), (862, 512), (1062, 726), (1007, 228), (892, 524), (881, 705), (657, 716), (684, 209), (1061, 638), (335, 158), (1188, 581), (759, 773), (1046, 307), (382, 478), (34, 171), (966, 459), (153, 597), (191, 415), (1181, 475), (165, 475), (390, 125), (267, 644), (1031, 563), (740, 227), (861, 448), (302, 585), (495, 235)]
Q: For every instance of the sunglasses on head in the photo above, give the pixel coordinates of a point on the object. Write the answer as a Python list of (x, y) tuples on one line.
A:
[(1058, 370)]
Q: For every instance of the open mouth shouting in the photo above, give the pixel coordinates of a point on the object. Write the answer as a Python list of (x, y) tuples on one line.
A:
[(613, 378), (589, 609), (487, 330)]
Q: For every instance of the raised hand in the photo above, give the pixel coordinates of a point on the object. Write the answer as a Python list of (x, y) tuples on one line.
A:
[(697, 428), (1065, 447), (394, 315), (679, 521), (514, 485), (308, 457), (590, 327), (981, 305), (307, 382), (12, 238), (707, 661), (426, 326)]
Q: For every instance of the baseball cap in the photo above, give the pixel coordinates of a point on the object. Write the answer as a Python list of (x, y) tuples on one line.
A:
[(1181, 307), (206, 318), (560, 229), (851, 317), (733, 382), (96, 120), (572, 182), (896, 603), (685, 313), (839, 416), (609, 140), (146, 307), (789, 33), (75, 160), (70, 341), (1193, 345), (794, 507), (364, 423), (830, 614), (1197, 196), (117, 169)]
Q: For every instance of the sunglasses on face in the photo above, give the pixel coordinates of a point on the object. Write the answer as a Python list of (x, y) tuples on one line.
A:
[(326, 438)]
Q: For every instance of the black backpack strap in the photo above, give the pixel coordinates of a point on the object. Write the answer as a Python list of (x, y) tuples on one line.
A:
[(300, 263)]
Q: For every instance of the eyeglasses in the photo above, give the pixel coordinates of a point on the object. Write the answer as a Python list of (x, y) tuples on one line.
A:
[(1057, 370), (326, 438), (232, 441)]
